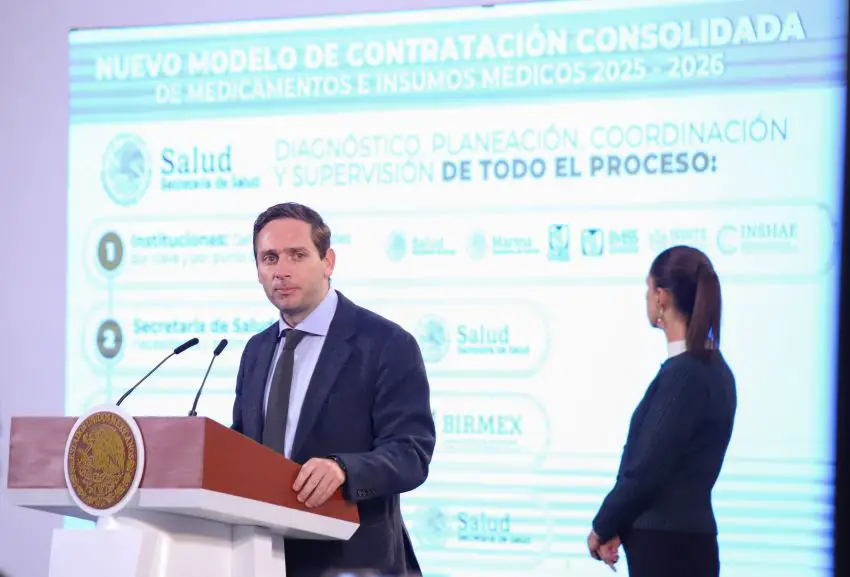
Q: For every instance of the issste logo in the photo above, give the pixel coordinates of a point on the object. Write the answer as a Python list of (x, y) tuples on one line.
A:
[(126, 171)]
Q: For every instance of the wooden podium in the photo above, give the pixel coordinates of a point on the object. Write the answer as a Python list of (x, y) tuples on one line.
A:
[(171, 496)]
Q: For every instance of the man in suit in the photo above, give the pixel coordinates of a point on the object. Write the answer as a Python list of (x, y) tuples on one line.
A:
[(338, 389)]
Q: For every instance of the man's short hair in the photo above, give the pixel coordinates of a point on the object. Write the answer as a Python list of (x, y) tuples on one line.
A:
[(320, 232)]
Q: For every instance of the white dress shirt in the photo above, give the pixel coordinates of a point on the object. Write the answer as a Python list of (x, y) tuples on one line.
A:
[(675, 348), (306, 355)]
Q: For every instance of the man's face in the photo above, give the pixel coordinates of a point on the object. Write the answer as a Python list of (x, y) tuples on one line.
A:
[(293, 275)]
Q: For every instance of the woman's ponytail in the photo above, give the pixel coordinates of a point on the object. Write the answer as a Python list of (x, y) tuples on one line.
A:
[(703, 336)]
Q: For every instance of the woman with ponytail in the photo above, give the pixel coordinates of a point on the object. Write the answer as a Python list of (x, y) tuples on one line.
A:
[(660, 508)]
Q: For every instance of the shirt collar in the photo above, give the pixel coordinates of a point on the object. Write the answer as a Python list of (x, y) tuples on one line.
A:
[(675, 348), (317, 322)]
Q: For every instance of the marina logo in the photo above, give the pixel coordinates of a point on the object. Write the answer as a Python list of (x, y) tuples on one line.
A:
[(476, 246), (480, 244), (126, 169)]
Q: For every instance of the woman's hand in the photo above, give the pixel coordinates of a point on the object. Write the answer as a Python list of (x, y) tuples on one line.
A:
[(606, 552), (609, 552)]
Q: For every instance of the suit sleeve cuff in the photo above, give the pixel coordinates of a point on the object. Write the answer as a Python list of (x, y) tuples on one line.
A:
[(341, 465), (357, 486), (346, 485), (604, 530)]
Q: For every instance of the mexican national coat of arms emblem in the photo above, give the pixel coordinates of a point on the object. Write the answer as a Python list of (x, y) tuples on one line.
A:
[(104, 456)]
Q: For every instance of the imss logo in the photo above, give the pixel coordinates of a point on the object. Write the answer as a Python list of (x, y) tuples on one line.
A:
[(126, 169), (592, 242)]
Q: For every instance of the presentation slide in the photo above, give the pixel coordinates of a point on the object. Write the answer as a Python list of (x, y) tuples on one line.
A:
[(497, 180)]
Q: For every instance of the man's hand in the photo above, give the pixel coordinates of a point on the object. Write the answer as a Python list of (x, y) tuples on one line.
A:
[(317, 481)]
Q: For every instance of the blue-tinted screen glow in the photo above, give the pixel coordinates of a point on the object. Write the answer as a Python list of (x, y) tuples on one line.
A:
[(497, 181)]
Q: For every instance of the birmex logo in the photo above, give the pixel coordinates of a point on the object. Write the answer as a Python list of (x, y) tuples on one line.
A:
[(126, 169)]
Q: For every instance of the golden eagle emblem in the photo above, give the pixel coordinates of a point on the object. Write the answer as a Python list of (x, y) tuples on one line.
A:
[(102, 460)]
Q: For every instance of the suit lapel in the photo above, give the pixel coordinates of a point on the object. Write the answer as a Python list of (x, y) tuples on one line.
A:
[(332, 359), (265, 356)]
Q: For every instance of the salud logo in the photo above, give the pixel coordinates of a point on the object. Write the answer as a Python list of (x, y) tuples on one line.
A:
[(126, 171), (432, 335)]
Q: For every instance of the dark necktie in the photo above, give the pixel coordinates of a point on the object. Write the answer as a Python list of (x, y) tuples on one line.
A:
[(274, 431)]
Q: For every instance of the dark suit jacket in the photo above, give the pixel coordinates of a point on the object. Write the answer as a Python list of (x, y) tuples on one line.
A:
[(368, 404), (675, 449)]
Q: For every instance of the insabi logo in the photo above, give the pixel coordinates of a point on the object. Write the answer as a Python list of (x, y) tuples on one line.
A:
[(126, 170)]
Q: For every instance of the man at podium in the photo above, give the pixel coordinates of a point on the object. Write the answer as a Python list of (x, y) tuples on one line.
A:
[(338, 389)]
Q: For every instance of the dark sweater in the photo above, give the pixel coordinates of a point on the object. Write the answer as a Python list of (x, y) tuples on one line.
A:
[(674, 451)]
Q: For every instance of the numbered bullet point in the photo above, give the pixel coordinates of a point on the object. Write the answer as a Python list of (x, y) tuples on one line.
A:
[(110, 251), (109, 339)]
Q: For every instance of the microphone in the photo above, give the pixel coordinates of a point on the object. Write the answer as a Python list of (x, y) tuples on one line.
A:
[(222, 343), (187, 345)]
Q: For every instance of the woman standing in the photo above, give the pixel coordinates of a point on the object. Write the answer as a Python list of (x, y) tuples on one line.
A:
[(660, 507)]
